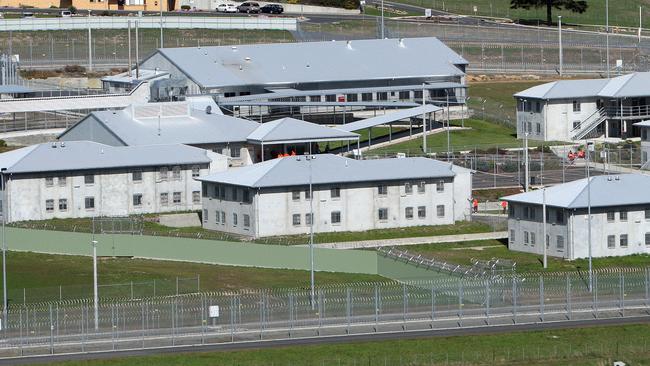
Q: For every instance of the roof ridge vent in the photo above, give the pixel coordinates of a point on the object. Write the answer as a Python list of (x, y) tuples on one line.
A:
[(248, 59), (609, 178), (234, 48), (349, 44), (401, 42), (54, 145), (617, 178)]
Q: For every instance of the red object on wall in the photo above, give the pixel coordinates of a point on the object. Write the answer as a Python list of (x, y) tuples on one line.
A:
[(341, 98)]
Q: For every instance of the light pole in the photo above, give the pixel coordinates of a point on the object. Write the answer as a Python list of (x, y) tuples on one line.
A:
[(589, 216), (526, 173), (559, 25), (161, 24), (544, 226), (607, 34), (90, 44), (5, 302), (309, 159), (424, 125), (382, 19), (448, 127), (95, 294)]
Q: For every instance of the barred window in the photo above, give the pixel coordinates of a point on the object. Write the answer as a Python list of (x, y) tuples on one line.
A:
[(408, 212), (296, 219)]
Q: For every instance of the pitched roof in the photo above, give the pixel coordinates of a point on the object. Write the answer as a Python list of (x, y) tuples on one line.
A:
[(630, 85), (327, 169), (290, 129), (606, 190), (310, 62), (85, 155)]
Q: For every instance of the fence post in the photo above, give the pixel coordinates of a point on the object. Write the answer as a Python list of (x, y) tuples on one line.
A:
[(262, 316), (232, 319), (622, 292), (568, 297), (131, 290), (51, 332), (348, 305), (173, 318), (176, 285), (290, 313), (376, 307), (487, 302), (647, 290), (514, 300), (541, 298), (433, 305), (405, 305), (594, 288), (460, 303), (321, 309), (142, 318)]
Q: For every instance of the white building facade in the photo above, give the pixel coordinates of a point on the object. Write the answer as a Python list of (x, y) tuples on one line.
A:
[(390, 197), (620, 225), (104, 183)]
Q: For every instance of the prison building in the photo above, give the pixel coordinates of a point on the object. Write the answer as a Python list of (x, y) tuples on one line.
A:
[(243, 141), (620, 207), (644, 130), (307, 77), (273, 197), (87, 179), (569, 110)]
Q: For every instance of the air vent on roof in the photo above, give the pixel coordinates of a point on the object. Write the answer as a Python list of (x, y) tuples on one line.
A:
[(240, 67), (401, 42), (609, 178), (349, 43), (248, 59), (617, 178), (62, 143), (234, 48), (54, 145)]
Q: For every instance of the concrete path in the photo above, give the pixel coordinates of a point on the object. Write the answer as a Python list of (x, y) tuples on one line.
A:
[(412, 241)]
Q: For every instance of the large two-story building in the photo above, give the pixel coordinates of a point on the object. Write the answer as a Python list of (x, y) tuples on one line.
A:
[(620, 225), (273, 197), (569, 110), (86, 179)]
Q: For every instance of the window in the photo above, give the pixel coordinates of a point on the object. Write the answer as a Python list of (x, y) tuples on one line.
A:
[(164, 199), (217, 217), (195, 171), (89, 179), (405, 95), (529, 127), (576, 106), (308, 219), (137, 199), (176, 173), (177, 197), (422, 187), (382, 96), (234, 219), (538, 128), (330, 98), (307, 194), (511, 211), (383, 214), (49, 181), (223, 217), (163, 173), (335, 192), (623, 240), (532, 238), (647, 239), (611, 216), (622, 215), (382, 190), (647, 213), (529, 213), (235, 152), (229, 94), (137, 176), (576, 124), (417, 94), (296, 219), (559, 216), (246, 196), (611, 241), (440, 209), (526, 238), (247, 220), (366, 97), (560, 243), (196, 196), (315, 98), (440, 186), (352, 97), (408, 188), (49, 205), (422, 212), (295, 195), (63, 204), (62, 181), (89, 203), (205, 216), (538, 107), (408, 212), (512, 236), (336, 217)]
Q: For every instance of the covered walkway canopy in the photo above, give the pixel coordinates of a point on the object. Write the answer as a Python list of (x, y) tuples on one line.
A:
[(390, 117)]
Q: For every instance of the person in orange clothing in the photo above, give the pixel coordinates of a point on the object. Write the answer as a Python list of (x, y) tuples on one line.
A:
[(475, 205), (504, 206)]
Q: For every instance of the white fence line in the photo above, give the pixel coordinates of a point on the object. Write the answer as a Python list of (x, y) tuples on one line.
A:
[(169, 22)]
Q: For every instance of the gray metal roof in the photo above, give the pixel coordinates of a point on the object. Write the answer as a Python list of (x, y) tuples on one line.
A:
[(630, 85), (643, 124), (387, 104), (329, 169), (288, 130), (606, 191), (87, 155), (311, 62), (14, 89), (390, 117)]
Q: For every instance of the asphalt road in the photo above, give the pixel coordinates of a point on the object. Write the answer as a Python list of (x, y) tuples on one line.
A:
[(482, 330)]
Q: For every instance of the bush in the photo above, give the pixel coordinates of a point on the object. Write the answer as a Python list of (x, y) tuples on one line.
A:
[(72, 9), (185, 7), (74, 69)]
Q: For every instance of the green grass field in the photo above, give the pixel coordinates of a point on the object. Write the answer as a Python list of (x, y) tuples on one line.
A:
[(583, 346), (496, 97), (621, 12), (464, 252)]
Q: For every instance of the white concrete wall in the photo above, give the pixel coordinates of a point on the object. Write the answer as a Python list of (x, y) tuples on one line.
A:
[(555, 121), (272, 211), (645, 144), (113, 191), (575, 233)]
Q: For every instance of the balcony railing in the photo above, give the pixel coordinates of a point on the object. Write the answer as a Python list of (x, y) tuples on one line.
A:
[(628, 111)]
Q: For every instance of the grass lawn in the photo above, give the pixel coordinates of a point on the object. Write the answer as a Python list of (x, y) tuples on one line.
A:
[(621, 12), (464, 252), (582, 346), (497, 96), (377, 132), (388, 12), (36, 271), (462, 227)]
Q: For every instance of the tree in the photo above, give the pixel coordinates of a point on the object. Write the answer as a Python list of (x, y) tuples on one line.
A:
[(576, 6)]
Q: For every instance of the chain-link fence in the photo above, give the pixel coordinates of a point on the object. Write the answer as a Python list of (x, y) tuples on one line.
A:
[(212, 318)]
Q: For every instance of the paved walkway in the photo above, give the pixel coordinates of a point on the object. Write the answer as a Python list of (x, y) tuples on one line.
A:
[(412, 241)]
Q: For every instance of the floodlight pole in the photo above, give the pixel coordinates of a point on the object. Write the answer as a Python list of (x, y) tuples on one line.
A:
[(129, 45), (607, 33), (311, 234), (90, 44), (161, 24), (424, 124), (448, 127), (526, 173), (382, 19), (559, 25), (95, 294)]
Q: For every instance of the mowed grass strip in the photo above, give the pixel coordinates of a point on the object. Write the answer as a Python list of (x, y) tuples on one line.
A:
[(583, 346), (465, 252)]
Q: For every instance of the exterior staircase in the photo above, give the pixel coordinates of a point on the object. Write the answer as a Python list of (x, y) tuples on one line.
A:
[(588, 124)]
